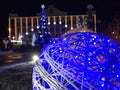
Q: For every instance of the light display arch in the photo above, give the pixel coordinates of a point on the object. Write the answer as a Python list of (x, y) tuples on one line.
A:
[(79, 60)]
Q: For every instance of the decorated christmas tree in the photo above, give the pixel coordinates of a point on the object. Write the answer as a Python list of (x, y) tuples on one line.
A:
[(43, 36)]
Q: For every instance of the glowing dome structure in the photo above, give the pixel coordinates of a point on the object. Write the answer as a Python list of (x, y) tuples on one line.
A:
[(79, 60)]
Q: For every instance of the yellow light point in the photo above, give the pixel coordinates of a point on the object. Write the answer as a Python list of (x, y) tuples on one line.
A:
[(41, 36), (113, 32), (9, 61), (116, 37)]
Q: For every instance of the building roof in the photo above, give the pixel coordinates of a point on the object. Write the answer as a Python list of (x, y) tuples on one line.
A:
[(52, 11)]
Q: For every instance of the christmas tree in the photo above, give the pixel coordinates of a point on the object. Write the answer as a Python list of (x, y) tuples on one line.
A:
[(43, 36)]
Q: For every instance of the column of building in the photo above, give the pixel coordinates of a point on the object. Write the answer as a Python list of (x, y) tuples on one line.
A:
[(55, 22)]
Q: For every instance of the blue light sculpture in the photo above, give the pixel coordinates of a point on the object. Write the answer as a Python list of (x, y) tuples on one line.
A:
[(80, 60)]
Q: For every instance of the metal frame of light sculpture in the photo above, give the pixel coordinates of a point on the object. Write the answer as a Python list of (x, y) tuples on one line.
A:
[(78, 61)]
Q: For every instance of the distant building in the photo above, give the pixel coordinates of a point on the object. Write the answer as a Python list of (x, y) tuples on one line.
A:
[(113, 29), (21, 28)]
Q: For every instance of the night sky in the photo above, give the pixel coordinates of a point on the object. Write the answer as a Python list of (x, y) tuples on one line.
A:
[(105, 9)]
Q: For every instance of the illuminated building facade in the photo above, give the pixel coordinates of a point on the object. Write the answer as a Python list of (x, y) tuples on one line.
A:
[(22, 28)]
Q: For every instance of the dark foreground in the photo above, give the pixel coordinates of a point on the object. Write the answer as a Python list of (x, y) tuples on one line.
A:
[(17, 78)]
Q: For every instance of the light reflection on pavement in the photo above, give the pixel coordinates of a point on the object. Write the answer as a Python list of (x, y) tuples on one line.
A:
[(10, 59)]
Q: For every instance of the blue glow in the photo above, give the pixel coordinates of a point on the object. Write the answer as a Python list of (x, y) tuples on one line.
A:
[(117, 76), (113, 66), (102, 85), (103, 79), (85, 59)]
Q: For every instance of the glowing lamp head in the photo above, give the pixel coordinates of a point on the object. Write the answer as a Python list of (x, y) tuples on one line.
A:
[(35, 58)]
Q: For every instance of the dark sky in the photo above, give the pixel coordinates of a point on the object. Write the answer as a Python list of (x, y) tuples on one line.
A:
[(105, 9)]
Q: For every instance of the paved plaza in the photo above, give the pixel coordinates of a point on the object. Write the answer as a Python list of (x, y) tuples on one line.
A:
[(17, 77), (16, 70)]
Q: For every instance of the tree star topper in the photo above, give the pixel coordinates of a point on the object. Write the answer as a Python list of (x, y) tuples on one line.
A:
[(43, 6)]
